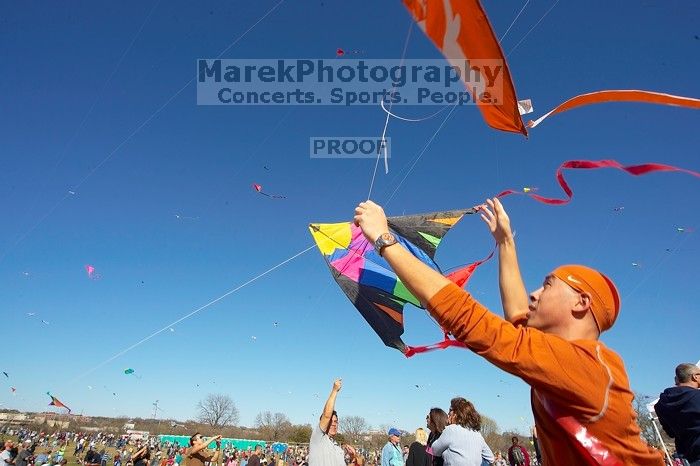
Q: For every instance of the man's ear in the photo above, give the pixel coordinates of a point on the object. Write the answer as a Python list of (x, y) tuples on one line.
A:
[(584, 302)]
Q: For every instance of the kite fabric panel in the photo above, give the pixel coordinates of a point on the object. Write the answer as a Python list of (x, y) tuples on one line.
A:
[(368, 280), (461, 30), (627, 95)]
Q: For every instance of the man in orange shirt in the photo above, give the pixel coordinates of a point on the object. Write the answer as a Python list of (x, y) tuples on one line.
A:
[(581, 398)]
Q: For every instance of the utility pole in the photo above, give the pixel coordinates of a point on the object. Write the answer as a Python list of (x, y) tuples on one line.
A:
[(155, 409)]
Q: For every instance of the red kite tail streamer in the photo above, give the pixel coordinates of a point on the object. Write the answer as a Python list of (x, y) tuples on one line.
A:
[(459, 277), (461, 30), (599, 97), (634, 170), (446, 343)]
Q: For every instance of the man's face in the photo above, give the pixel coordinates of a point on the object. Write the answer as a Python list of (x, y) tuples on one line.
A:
[(515, 441), (333, 428), (551, 304), (394, 439), (198, 440)]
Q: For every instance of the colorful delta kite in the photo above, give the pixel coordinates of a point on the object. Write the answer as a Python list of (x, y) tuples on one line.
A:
[(57, 403), (461, 30), (367, 279), (258, 188)]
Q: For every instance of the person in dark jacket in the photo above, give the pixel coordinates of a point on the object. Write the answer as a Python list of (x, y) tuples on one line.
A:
[(678, 410), (436, 420), (417, 455)]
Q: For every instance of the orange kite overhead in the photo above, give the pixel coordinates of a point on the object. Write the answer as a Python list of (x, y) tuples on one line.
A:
[(461, 30)]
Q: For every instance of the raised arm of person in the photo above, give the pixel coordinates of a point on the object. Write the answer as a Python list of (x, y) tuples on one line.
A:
[(139, 453), (217, 452), (514, 295), (329, 407), (205, 443)]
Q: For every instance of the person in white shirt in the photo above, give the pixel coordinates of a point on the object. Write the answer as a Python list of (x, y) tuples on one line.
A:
[(323, 450), (461, 443)]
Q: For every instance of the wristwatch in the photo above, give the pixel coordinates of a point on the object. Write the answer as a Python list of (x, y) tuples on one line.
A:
[(384, 240)]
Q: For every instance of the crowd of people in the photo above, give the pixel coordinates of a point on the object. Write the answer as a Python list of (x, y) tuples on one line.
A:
[(452, 438)]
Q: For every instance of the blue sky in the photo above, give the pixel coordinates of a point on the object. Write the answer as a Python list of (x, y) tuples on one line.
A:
[(77, 95)]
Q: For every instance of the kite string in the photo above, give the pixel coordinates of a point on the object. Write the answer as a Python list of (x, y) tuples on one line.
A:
[(386, 120), (137, 130), (69, 142), (190, 314), (658, 264), (514, 20), (532, 28), (412, 120), (420, 154)]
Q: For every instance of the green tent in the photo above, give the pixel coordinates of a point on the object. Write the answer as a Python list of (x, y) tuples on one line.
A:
[(239, 444)]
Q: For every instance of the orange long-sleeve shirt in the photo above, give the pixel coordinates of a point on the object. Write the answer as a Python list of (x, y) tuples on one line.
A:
[(582, 378)]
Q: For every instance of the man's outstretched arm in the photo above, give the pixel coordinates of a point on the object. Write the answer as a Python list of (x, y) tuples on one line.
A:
[(513, 292), (422, 281)]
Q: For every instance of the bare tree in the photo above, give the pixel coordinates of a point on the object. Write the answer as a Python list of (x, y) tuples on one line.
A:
[(353, 427), (645, 422), (490, 432), (217, 410), (273, 427)]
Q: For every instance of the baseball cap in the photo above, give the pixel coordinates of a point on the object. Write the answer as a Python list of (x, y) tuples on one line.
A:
[(394, 431)]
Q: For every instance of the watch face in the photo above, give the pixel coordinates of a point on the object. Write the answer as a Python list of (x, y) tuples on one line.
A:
[(387, 237)]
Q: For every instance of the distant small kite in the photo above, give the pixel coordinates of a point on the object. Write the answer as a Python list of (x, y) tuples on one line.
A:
[(525, 106), (619, 209), (91, 273), (44, 322), (6, 374), (57, 403), (258, 188)]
